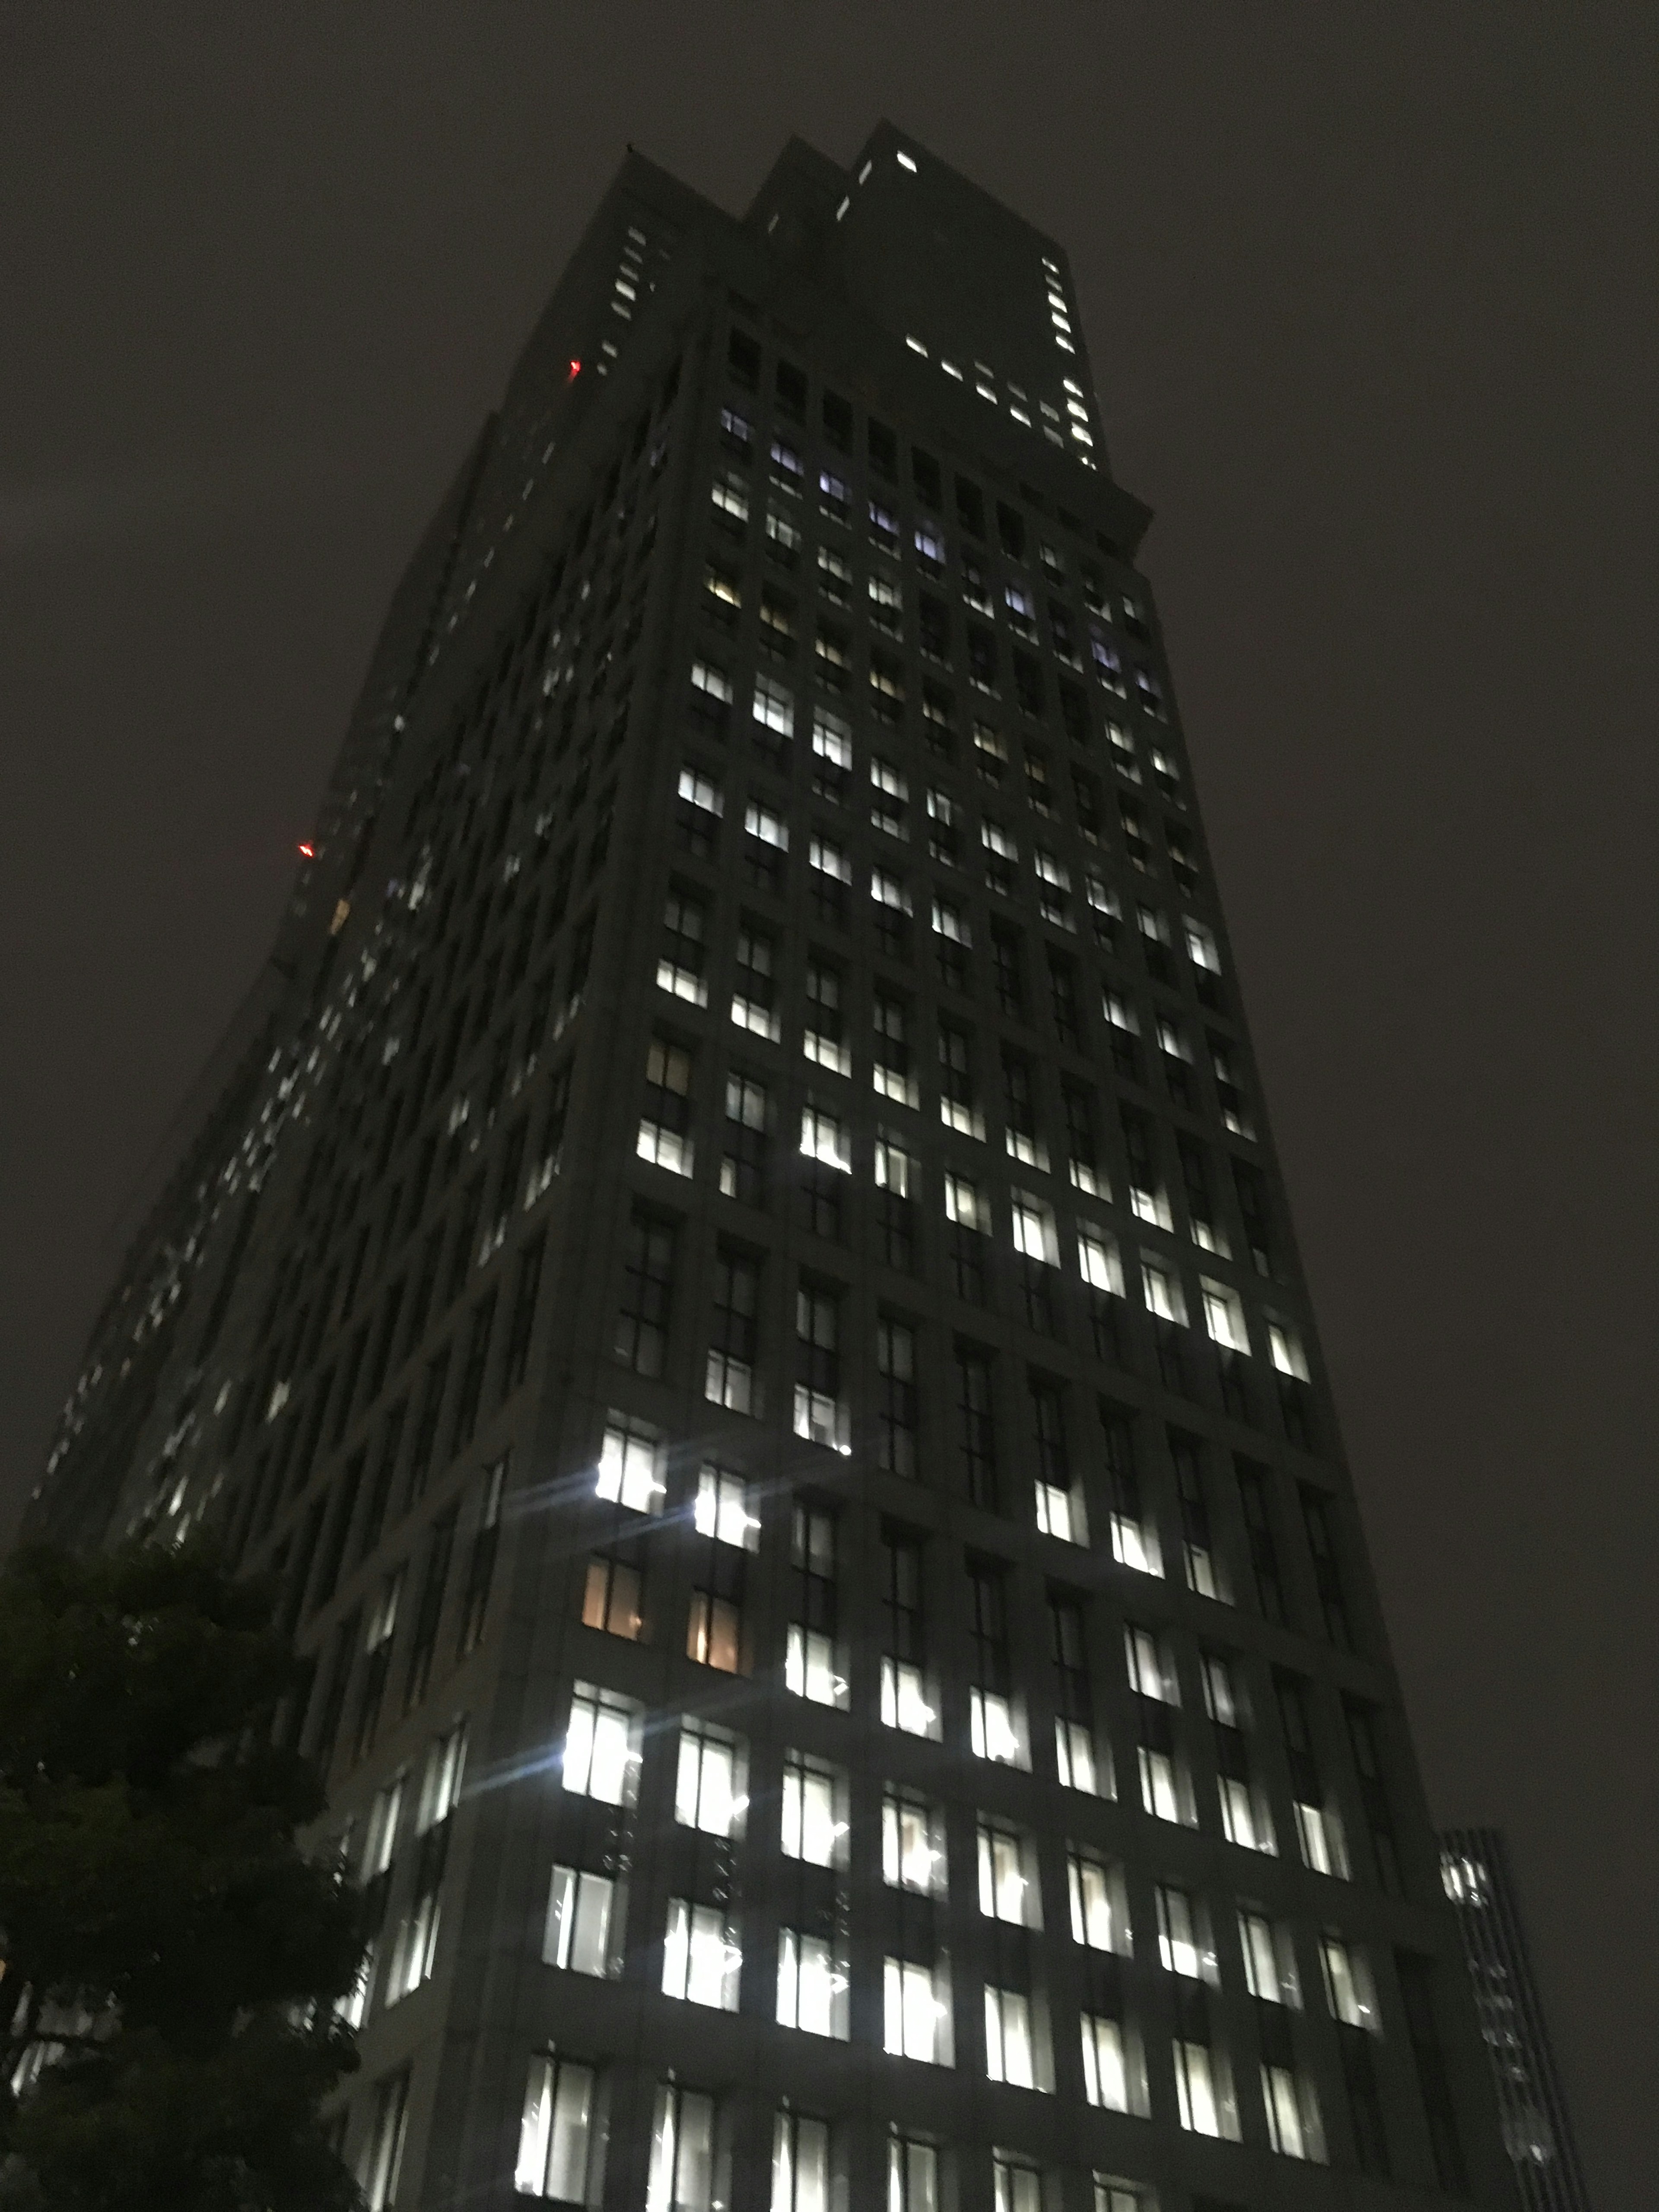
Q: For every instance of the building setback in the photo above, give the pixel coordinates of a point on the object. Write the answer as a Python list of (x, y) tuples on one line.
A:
[(1537, 2129), (737, 1283)]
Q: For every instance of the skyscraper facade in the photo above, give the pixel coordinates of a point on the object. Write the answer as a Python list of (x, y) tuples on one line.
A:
[(738, 1284), (1537, 2130)]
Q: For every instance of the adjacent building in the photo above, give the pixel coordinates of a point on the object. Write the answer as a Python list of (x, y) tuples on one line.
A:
[(1537, 2132), (739, 1285)]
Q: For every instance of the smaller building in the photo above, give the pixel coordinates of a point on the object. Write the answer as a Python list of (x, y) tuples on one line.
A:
[(1537, 2132)]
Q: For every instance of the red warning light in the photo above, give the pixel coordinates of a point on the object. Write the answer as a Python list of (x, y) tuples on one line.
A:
[(576, 371), (308, 851)]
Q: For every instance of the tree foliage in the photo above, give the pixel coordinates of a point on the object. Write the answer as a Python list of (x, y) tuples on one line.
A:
[(169, 1960)]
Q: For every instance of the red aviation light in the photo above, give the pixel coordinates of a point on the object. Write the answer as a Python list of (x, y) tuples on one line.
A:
[(308, 851), (576, 371)]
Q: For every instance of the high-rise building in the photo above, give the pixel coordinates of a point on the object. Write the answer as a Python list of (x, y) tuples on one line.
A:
[(740, 1287), (1532, 2107)]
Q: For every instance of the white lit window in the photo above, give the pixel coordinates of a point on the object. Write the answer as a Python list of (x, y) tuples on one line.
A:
[(771, 828), (630, 1466), (1016, 2183), (1108, 2065), (1201, 943), (905, 1701), (1349, 1992), (885, 594), (662, 1137), (948, 922), (1319, 1833), (1150, 1671), (1245, 1819), (997, 840), (829, 859), (722, 1509), (1285, 1346), (1099, 1261), (966, 1204), (912, 2174), (906, 161), (1005, 1891), (682, 2177), (1204, 2096), (710, 1792), (602, 1746), (812, 1829), (1035, 1234), (916, 2010), (912, 1843), (700, 1963), (1292, 2109), (895, 1170), (889, 891), (1134, 1544), (812, 1986), (991, 1730), (1269, 1960), (1075, 1758), (800, 2164), (697, 790), (1183, 1944), (1162, 1291), (809, 1669), (581, 1917), (1224, 1315), (1010, 2053), (556, 2133), (715, 682), (1061, 1513), (774, 705), (759, 1020), (781, 532), (832, 738), (731, 495), (1170, 1040), (1099, 1902), (824, 1139), (1119, 1013)]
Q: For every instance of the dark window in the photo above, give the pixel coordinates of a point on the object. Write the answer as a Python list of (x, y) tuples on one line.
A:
[(970, 506), (647, 1278), (472, 1373), (1006, 966), (426, 1426), (791, 389), (924, 474), (435, 1579), (1253, 1492), (896, 1371), (730, 1379), (525, 1286), (339, 1530), (743, 1162), (743, 358), (1328, 1578), (481, 1560), (838, 421), (976, 1427), (1417, 1992), (884, 451), (1011, 531)]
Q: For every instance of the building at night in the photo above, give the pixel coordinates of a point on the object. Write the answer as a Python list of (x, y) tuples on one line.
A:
[(736, 1280), (1532, 2107)]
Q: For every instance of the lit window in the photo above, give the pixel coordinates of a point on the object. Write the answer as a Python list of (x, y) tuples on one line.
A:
[(916, 2010), (825, 1138), (1162, 1291), (1204, 2097), (912, 1843), (948, 922), (1348, 1988), (722, 1509), (602, 1746), (829, 859), (991, 1733), (1224, 1315), (1098, 1260), (610, 1598), (771, 828), (697, 790), (1099, 1902), (1035, 1234), (1285, 1347), (1294, 2129), (582, 1918), (812, 1985), (1202, 946), (556, 2133), (664, 1137), (906, 162), (1150, 1671), (682, 2177), (966, 1204), (1269, 1960), (889, 892), (1016, 2184), (630, 1466), (702, 1962), (706, 677), (710, 1789), (809, 1669), (1319, 1833), (1183, 1943), (912, 2174), (1010, 2052), (800, 2160), (731, 495), (1113, 2079), (1006, 1890), (814, 1829)]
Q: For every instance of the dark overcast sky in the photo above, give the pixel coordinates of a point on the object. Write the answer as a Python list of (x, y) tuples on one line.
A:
[(1369, 291)]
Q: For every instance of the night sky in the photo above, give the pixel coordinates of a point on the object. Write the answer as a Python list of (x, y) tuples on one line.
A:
[(1371, 296)]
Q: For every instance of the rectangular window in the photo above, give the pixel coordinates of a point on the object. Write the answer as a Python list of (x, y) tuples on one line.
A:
[(996, 1729), (383, 2152), (1199, 1556), (642, 1337), (1204, 2095), (722, 1509), (742, 1163), (711, 1779), (1294, 2129), (730, 1378), (896, 1404), (912, 1841), (976, 1424), (602, 1746), (916, 2008), (814, 1810), (682, 963), (811, 1984), (714, 1635), (1016, 2183), (1007, 1881), (664, 1132), (1114, 2077), (584, 1926), (1011, 2050), (610, 1598), (683, 2156), (702, 1961), (1184, 1947), (631, 1465), (801, 2180), (1099, 1902), (555, 2136), (1134, 1537), (821, 1414), (906, 1702), (913, 2183), (1060, 1508)]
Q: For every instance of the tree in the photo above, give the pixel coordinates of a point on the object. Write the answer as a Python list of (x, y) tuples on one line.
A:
[(170, 1961)]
